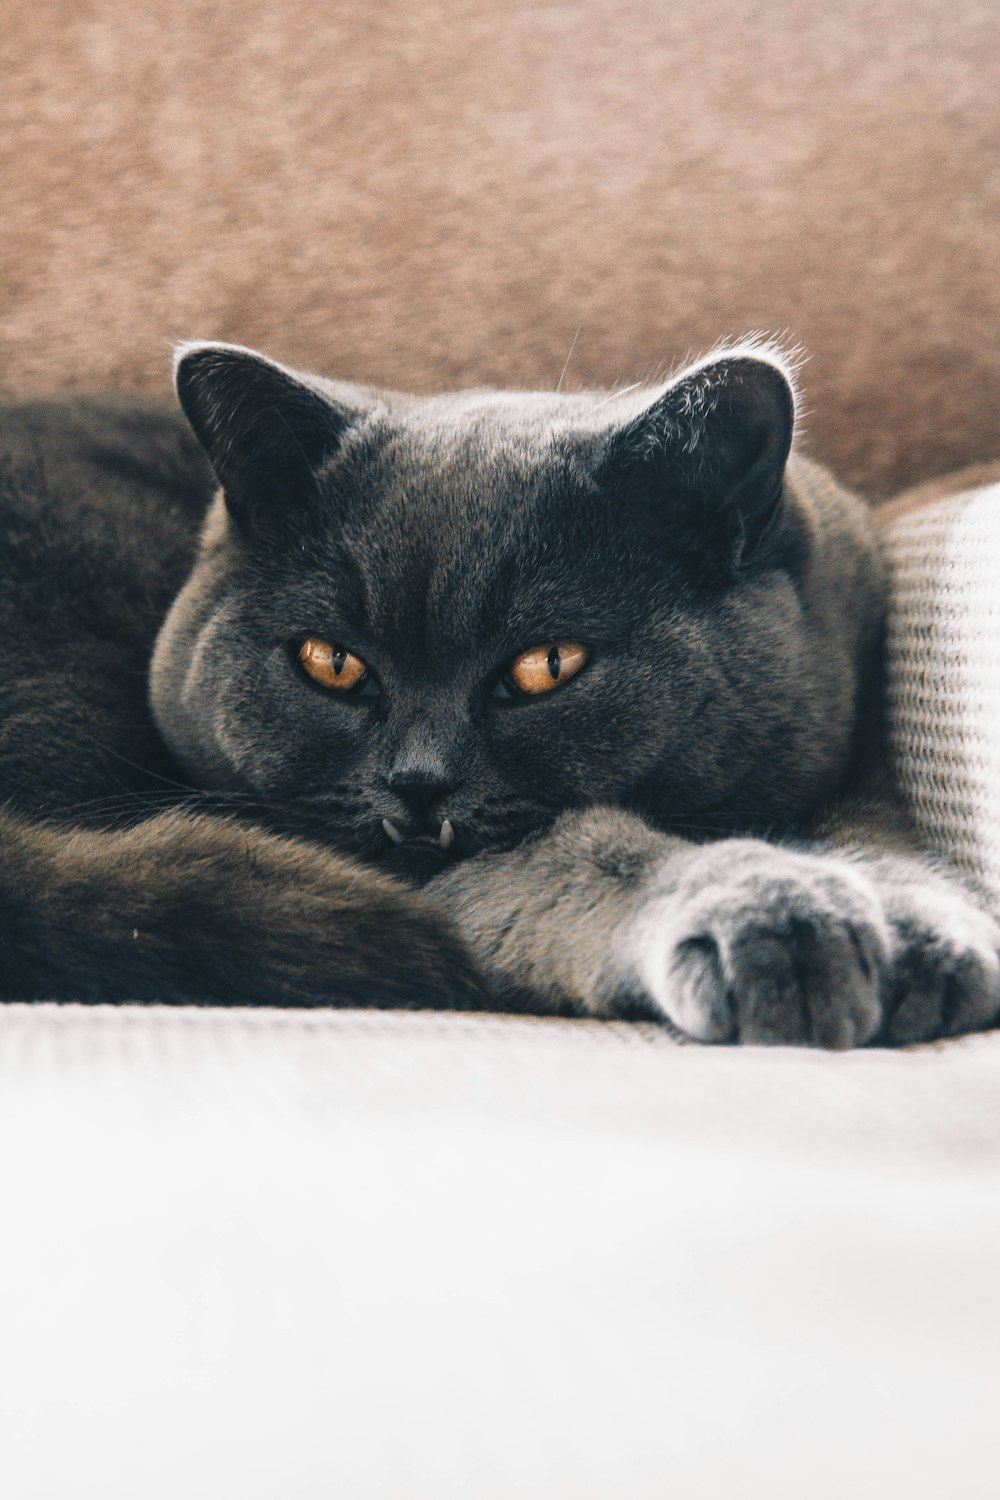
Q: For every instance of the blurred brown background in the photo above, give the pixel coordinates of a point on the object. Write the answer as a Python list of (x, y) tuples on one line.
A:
[(445, 191)]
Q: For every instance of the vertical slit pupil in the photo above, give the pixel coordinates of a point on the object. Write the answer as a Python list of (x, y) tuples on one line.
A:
[(554, 663), (339, 658)]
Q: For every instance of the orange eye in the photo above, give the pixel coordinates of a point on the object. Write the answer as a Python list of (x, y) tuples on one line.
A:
[(331, 665), (545, 667)]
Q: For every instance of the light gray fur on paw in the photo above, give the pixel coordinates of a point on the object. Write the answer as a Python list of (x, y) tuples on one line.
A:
[(944, 972), (757, 943)]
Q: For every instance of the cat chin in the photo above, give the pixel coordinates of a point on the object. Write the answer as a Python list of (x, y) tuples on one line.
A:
[(418, 860)]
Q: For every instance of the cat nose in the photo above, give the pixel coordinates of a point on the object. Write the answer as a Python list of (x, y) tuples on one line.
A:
[(419, 788)]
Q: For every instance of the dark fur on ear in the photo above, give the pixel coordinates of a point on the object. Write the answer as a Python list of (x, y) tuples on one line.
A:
[(707, 457), (265, 430)]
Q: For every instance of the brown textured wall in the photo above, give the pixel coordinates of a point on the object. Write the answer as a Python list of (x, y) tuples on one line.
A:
[(444, 191)]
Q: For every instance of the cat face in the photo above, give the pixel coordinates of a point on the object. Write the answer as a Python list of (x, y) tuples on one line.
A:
[(420, 628)]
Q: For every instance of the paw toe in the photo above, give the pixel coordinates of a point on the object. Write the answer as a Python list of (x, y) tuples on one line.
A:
[(816, 984), (939, 988), (703, 1006)]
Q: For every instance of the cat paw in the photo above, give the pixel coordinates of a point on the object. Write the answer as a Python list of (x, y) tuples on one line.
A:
[(767, 945), (943, 976)]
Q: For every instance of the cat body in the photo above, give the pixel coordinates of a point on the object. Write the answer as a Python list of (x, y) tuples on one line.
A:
[(639, 838)]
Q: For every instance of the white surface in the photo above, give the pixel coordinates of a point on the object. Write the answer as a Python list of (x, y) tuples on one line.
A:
[(306, 1255)]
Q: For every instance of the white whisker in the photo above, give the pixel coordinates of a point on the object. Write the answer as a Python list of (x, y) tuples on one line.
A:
[(568, 358), (614, 395)]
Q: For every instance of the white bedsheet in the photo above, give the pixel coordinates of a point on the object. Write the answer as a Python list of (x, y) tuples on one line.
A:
[(262, 1254)]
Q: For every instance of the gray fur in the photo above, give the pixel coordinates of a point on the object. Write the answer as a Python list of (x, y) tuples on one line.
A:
[(731, 940), (680, 831)]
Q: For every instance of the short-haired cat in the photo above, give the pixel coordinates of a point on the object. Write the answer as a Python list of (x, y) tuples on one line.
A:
[(551, 702)]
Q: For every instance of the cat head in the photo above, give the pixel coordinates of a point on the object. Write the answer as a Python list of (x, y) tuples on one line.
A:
[(419, 627)]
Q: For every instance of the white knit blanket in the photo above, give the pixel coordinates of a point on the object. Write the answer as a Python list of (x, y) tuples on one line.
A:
[(944, 675)]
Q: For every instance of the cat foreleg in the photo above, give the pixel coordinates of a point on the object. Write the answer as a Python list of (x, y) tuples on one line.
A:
[(738, 940), (553, 922)]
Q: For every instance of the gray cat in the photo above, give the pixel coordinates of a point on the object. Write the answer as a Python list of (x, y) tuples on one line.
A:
[(558, 703)]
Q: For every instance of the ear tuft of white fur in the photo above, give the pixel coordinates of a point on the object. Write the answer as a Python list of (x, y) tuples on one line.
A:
[(683, 403), (218, 346), (767, 348), (684, 397)]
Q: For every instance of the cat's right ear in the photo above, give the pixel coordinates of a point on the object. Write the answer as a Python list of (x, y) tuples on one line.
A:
[(705, 459), (266, 430)]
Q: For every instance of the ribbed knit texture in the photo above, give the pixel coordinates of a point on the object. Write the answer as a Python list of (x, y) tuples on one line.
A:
[(944, 675)]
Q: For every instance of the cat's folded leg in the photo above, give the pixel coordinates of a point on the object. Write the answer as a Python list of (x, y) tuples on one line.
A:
[(198, 909), (737, 940)]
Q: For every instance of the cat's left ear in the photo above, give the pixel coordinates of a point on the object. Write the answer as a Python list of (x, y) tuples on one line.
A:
[(707, 457), (266, 430)]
